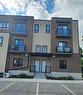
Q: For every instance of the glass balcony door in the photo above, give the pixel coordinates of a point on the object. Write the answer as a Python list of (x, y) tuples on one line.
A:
[(19, 44), (37, 65), (40, 66)]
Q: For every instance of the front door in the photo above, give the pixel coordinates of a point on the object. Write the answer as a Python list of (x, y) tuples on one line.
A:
[(40, 66), (37, 65), (43, 66)]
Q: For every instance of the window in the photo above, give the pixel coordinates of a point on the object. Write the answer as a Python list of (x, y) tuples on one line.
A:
[(19, 44), (36, 28), (62, 44), (41, 48), (20, 28), (1, 41), (62, 29), (17, 62), (63, 64), (38, 48), (47, 28), (4, 25), (44, 48)]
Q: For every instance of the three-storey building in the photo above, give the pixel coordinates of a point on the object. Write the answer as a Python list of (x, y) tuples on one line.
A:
[(28, 45)]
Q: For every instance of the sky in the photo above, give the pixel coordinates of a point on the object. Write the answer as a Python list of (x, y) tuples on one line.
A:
[(45, 9)]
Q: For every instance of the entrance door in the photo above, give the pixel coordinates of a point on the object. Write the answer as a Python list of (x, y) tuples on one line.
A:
[(43, 65), (40, 66), (37, 65)]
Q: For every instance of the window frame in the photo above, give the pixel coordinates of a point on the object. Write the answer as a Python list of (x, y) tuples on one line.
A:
[(36, 46), (44, 46), (17, 64), (36, 28), (48, 28), (20, 27), (1, 43), (4, 25), (66, 43), (63, 65), (61, 30), (18, 45)]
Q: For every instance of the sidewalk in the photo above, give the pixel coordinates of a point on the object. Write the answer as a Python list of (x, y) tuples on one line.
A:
[(41, 80)]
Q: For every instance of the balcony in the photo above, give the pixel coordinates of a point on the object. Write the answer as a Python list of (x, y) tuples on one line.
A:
[(63, 34), (63, 50), (20, 33), (40, 54), (17, 49)]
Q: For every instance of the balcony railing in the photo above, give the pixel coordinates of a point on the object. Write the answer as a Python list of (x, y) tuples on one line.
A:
[(63, 33), (47, 69), (60, 49), (17, 48)]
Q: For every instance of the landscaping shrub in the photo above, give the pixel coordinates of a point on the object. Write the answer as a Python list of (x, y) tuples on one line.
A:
[(60, 78), (21, 76), (70, 78)]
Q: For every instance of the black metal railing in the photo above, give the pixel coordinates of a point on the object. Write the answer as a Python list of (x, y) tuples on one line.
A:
[(32, 68), (63, 33), (17, 47), (47, 69), (66, 49)]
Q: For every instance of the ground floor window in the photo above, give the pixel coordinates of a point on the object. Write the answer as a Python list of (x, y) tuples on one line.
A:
[(62, 64), (17, 62)]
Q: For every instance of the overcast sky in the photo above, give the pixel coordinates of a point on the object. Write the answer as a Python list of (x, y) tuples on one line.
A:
[(45, 9)]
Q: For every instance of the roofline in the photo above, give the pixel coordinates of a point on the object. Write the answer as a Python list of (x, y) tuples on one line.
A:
[(61, 18), (41, 20), (17, 16)]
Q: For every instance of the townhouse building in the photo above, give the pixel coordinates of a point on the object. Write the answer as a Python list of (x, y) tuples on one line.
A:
[(29, 45)]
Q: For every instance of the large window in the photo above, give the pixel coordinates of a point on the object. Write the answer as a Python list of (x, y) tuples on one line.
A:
[(63, 64), (47, 28), (61, 46), (63, 29), (19, 44), (17, 62), (4, 25), (44, 48), (36, 28), (41, 48), (62, 43), (1, 41), (38, 48), (20, 28)]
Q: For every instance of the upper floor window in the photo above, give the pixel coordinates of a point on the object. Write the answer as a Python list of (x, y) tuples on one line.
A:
[(62, 43), (36, 28), (1, 41), (41, 48), (63, 29), (19, 44), (63, 64), (61, 46), (4, 25), (47, 28), (44, 48), (38, 48), (20, 27), (17, 62)]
